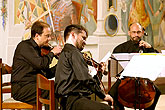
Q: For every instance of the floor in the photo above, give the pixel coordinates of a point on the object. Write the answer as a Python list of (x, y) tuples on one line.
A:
[(161, 105)]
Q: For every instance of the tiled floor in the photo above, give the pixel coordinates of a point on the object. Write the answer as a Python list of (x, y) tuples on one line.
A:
[(160, 105)]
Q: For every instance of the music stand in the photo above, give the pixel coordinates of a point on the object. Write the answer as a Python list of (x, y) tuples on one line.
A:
[(119, 62), (116, 64)]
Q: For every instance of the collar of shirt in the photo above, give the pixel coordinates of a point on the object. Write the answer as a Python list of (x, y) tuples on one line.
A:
[(33, 43)]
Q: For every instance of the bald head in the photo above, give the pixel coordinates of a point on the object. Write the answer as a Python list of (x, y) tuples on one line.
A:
[(135, 32), (135, 24)]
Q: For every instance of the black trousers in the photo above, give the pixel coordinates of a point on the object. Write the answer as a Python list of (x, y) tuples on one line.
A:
[(82, 103), (118, 106), (28, 94)]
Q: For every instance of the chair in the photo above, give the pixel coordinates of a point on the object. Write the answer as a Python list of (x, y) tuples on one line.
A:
[(44, 84), (6, 88)]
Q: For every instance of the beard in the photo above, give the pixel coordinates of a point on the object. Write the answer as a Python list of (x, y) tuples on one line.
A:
[(79, 45), (136, 39)]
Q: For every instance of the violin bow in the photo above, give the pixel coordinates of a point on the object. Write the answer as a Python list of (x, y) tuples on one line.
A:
[(51, 20)]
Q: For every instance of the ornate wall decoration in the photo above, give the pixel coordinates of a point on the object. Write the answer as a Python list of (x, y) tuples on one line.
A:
[(111, 24), (4, 13), (112, 4)]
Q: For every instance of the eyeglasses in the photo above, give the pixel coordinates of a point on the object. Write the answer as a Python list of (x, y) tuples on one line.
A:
[(134, 32)]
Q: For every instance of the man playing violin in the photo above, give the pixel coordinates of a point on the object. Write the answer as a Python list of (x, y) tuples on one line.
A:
[(73, 83), (134, 45), (28, 62)]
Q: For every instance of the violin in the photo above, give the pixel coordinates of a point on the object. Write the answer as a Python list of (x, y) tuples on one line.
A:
[(90, 61), (97, 66), (136, 92), (46, 49)]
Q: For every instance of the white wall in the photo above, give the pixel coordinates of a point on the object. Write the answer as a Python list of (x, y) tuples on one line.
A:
[(15, 32), (11, 36)]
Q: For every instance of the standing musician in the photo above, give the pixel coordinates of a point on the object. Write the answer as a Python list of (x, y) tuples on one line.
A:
[(28, 62), (73, 83), (134, 45)]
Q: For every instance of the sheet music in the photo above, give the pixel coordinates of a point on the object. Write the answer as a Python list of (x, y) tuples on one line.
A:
[(145, 66), (163, 52)]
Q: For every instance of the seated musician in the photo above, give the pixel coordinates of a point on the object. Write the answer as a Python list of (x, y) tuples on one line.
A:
[(134, 45), (73, 83), (28, 62)]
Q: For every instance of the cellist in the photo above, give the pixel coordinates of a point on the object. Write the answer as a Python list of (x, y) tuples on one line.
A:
[(134, 45)]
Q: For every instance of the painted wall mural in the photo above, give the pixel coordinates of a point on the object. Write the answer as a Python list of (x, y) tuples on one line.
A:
[(149, 14), (4, 13), (58, 13)]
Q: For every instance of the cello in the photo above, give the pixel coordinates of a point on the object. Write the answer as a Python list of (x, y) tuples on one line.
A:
[(136, 92)]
